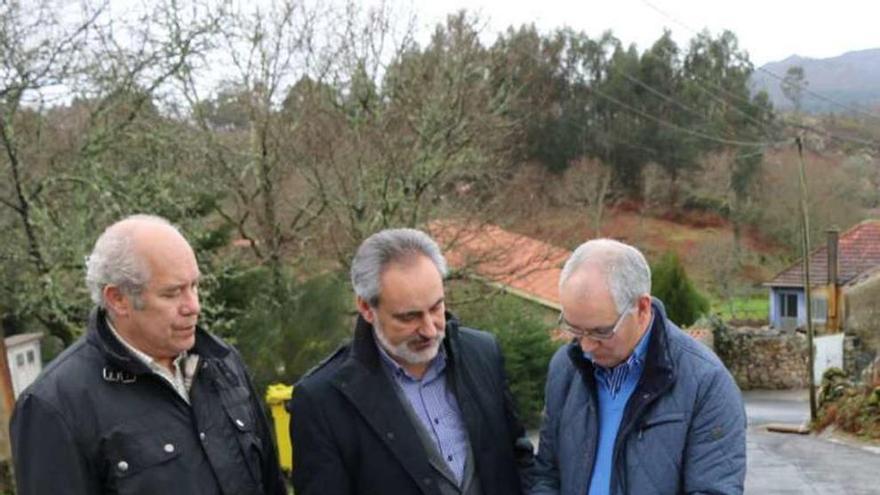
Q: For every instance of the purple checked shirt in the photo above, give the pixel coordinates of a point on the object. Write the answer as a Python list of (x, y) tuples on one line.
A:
[(436, 406)]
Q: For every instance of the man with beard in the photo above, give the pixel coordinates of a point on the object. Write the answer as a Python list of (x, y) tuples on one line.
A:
[(416, 403)]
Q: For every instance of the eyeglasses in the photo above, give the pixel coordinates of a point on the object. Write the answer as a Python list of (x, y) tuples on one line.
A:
[(599, 333)]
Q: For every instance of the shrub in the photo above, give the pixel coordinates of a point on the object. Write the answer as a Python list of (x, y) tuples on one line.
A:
[(522, 334), (670, 283), (853, 407), (281, 332)]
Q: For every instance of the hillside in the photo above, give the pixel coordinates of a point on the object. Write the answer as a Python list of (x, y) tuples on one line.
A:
[(701, 241), (852, 78)]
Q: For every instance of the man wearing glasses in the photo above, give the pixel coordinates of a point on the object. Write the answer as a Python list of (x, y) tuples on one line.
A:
[(633, 404)]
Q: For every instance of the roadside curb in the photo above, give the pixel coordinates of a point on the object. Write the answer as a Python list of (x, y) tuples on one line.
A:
[(834, 435), (800, 429)]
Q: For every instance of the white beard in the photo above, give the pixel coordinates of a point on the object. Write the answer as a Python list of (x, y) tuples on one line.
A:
[(402, 351)]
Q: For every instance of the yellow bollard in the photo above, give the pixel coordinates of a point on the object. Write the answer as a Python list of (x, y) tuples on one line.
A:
[(276, 395)]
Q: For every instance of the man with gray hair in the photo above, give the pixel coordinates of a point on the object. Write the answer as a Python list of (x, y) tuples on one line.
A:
[(145, 402), (416, 403), (633, 404)]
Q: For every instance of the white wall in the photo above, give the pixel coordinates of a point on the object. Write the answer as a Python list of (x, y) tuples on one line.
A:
[(25, 364)]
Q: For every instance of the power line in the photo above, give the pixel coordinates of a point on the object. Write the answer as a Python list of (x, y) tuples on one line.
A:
[(835, 137), (688, 108), (830, 135), (708, 137), (766, 71), (761, 124)]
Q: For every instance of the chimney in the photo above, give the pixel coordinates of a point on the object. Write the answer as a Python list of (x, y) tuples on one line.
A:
[(832, 256), (832, 323)]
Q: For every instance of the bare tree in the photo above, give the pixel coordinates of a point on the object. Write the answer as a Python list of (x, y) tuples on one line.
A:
[(106, 74), (588, 184)]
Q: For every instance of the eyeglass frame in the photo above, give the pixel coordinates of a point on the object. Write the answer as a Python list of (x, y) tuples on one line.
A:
[(580, 333)]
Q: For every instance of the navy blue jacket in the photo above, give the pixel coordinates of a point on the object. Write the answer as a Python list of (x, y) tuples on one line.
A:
[(683, 429)]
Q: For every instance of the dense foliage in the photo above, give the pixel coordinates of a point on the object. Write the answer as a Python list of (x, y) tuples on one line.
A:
[(852, 407), (522, 330), (670, 283), (280, 137)]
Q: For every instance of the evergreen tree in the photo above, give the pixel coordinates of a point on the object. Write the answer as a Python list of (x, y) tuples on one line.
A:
[(670, 283)]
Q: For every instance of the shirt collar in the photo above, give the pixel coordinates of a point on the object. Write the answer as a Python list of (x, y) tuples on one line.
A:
[(638, 354), (435, 367), (140, 355)]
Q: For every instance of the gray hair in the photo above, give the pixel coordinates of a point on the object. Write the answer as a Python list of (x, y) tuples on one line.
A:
[(114, 261), (384, 247), (624, 267)]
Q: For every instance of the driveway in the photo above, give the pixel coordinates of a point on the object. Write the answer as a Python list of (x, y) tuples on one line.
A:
[(780, 463)]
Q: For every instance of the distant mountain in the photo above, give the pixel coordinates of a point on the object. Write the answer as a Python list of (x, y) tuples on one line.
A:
[(852, 78)]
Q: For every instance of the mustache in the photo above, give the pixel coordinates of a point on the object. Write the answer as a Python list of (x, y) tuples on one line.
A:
[(420, 339)]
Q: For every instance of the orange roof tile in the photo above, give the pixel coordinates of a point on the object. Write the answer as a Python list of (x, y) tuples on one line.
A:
[(519, 263), (858, 252)]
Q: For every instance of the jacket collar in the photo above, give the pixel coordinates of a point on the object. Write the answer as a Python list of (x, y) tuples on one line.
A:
[(100, 335), (659, 367), (363, 347), (366, 385)]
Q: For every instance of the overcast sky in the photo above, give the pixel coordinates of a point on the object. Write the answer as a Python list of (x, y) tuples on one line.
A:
[(769, 30)]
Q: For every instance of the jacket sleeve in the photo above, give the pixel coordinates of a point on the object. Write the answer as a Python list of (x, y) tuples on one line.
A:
[(546, 480), (523, 450), (273, 478), (318, 467), (45, 453), (715, 456)]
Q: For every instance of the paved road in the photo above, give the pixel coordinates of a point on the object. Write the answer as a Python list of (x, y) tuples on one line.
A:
[(785, 464)]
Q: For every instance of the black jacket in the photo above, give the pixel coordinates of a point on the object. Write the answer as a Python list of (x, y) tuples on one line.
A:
[(351, 434), (98, 421)]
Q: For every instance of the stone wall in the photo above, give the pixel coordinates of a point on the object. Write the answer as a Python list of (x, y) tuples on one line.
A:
[(764, 358), (862, 324)]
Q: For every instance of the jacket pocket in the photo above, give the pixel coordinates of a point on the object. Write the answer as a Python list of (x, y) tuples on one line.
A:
[(660, 419), (654, 455), (142, 461), (241, 418)]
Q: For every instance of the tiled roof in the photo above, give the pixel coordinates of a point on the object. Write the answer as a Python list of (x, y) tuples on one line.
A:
[(520, 264), (858, 252)]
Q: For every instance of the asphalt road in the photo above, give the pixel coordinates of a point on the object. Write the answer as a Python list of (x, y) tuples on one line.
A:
[(780, 463)]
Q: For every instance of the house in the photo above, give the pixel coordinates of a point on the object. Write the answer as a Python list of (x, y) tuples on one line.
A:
[(520, 265), (838, 271), (25, 362)]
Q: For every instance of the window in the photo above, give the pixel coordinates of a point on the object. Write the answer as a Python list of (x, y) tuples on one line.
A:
[(788, 305), (30, 357), (19, 360), (819, 309)]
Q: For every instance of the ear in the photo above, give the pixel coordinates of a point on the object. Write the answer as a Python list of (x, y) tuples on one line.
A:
[(365, 309), (117, 301), (644, 307)]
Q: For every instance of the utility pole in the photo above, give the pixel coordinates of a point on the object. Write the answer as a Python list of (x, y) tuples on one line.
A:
[(805, 225)]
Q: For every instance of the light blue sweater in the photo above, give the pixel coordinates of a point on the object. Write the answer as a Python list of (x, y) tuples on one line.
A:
[(615, 386)]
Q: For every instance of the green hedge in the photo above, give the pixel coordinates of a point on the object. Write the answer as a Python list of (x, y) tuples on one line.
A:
[(522, 330)]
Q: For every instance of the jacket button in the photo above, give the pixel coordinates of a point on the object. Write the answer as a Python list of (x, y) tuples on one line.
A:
[(122, 466), (202, 436), (390, 435), (427, 481), (239, 423), (169, 448)]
